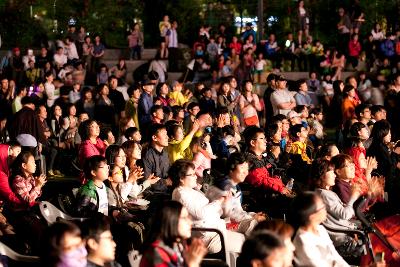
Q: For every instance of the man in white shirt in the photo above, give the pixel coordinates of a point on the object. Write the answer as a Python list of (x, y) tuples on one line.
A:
[(281, 99)]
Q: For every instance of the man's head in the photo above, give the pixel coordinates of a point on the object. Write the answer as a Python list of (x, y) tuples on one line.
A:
[(238, 167), (13, 150), (363, 112), (4, 84), (280, 82), (27, 101), (42, 112), (157, 112), (113, 82), (378, 112), (159, 136), (99, 241), (255, 139), (193, 108)]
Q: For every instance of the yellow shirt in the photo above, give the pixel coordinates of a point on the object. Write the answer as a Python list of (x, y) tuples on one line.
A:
[(178, 97), (300, 148)]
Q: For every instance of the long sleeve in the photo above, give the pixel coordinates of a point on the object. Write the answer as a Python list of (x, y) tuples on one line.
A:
[(316, 250), (26, 189), (260, 177), (335, 206), (198, 206)]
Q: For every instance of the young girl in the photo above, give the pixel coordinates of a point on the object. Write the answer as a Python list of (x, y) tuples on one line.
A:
[(249, 105), (133, 151), (259, 65), (70, 126), (179, 143), (24, 184)]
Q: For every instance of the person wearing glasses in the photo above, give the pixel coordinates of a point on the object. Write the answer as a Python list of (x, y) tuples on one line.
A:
[(100, 245), (205, 213), (312, 242), (92, 196)]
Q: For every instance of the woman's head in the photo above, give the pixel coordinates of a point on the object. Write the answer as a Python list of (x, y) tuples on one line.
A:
[(89, 129), (182, 174), (358, 132), (327, 151), (323, 174), (344, 167), (172, 223), (175, 132), (162, 89), (381, 132), (307, 209), (247, 86), (274, 133), (133, 151), (115, 156), (57, 111), (264, 249), (225, 87), (62, 246), (71, 109), (24, 164), (103, 89)]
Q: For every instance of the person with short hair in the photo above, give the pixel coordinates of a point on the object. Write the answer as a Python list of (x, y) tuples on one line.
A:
[(92, 196), (281, 99), (99, 242), (155, 159), (62, 246)]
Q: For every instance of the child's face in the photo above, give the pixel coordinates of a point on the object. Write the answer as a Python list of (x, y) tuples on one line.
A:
[(30, 165), (116, 175), (137, 137), (101, 173)]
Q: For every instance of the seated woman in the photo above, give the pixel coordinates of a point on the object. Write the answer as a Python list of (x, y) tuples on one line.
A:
[(166, 245), (312, 242), (91, 145), (133, 151), (204, 213), (339, 214)]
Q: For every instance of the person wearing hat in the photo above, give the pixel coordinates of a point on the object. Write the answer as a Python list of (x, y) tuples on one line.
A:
[(281, 99), (294, 117), (145, 103), (249, 31)]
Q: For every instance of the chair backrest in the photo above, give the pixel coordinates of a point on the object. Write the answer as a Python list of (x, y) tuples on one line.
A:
[(11, 254), (221, 255), (51, 213)]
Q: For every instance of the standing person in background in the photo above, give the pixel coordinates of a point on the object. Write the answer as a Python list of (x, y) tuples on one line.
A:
[(164, 26), (172, 35), (303, 21), (135, 40), (344, 26), (87, 48), (97, 53)]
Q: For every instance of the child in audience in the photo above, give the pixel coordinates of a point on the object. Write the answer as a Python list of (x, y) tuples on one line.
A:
[(92, 196), (299, 135)]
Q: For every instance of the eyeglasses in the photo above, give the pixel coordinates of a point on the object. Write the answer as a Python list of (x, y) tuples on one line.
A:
[(105, 166), (191, 174)]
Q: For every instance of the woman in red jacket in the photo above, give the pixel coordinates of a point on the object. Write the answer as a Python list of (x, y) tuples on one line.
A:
[(354, 50), (91, 143)]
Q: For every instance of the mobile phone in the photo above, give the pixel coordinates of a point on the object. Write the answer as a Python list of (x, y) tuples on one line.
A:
[(379, 257)]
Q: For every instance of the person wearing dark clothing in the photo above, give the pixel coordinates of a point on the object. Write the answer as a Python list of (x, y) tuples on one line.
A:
[(269, 112), (155, 159), (26, 121)]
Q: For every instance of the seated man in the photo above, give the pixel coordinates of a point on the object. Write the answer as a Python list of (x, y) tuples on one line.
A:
[(259, 175), (99, 242)]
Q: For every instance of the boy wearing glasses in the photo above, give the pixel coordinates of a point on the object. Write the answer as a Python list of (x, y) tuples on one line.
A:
[(92, 196)]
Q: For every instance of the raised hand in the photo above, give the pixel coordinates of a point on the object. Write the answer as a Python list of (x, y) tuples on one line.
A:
[(195, 253)]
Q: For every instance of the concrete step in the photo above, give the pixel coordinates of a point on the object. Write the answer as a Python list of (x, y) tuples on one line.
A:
[(124, 53)]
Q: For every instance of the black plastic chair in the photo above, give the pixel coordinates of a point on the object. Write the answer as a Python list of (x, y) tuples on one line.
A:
[(213, 259)]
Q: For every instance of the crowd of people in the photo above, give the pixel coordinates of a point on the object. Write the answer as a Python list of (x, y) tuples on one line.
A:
[(274, 170)]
